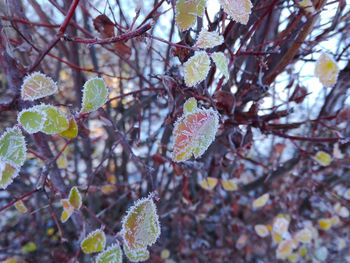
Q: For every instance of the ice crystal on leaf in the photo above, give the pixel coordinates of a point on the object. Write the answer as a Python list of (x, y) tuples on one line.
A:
[(113, 254), (7, 174), (20, 206), (284, 249), (196, 68), (221, 63), (13, 147), (229, 185), (194, 132), (280, 225), (239, 10), (208, 39), (94, 242), (95, 94), (323, 158), (261, 201), (56, 120), (208, 183), (36, 86), (73, 202), (140, 227), (261, 230), (136, 256), (72, 130), (326, 70), (32, 119), (187, 12), (304, 235)]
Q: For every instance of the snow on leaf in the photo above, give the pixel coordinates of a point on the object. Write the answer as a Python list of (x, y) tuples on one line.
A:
[(190, 106), (261, 201), (326, 70), (113, 254), (193, 133), (21, 207), (280, 225), (304, 235), (36, 86), (208, 39), (239, 10), (140, 227), (32, 120), (136, 256), (208, 183), (323, 158), (68, 210), (13, 147), (72, 130), (56, 121), (94, 242), (229, 185), (261, 230), (95, 94), (221, 63), (196, 68), (284, 249), (186, 12), (307, 5), (75, 198), (7, 174)]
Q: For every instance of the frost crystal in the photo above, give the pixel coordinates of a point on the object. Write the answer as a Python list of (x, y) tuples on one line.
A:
[(113, 254), (32, 119), (209, 39), (326, 70), (95, 94), (196, 68), (36, 86), (13, 147), (140, 227), (56, 120), (193, 133), (186, 12), (239, 10), (136, 256), (94, 242)]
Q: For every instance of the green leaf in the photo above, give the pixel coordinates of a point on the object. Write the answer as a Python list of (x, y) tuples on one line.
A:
[(32, 120), (36, 86), (56, 121), (95, 94), (221, 63), (7, 174), (187, 12), (72, 130), (190, 105), (13, 147), (113, 254), (94, 242), (197, 68), (75, 198), (29, 247), (136, 256), (140, 227)]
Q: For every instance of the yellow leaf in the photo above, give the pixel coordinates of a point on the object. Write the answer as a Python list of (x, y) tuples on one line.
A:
[(284, 249), (165, 254), (186, 12), (107, 189), (229, 185), (20, 206), (75, 198), (307, 5), (7, 174), (221, 63), (208, 39), (327, 70), (72, 130), (196, 68), (325, 223), (239, 10), (94, 242), (67, 210), (261, 201), (209, 183), (323, 158), (304, 235), (261, 230)]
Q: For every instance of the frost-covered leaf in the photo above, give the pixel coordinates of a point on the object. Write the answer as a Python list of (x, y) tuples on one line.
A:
[(29, 247), (325, 223), (323, 158), (113, 254), (68, 210), (7, 174), (307, 5), (346, 194), (261, 230), (95, 94), (72, 130), (284, 249), (136, 256), (140, 227), (208, 39), (21, 207), (239, 10), (261, 201), (280, 225), (56, 120), (36, 86), (94, 242), (32, 119), (193, 133), (187, 12), (165, 253), (304, 235), (13, 148), (208, 183), (321, 254), (190, 106), (229, 185), (196, 68), (75, 198), (221, 63), (326, 70)]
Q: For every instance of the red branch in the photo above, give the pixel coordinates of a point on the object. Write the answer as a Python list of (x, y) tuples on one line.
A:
[(18, 199)]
